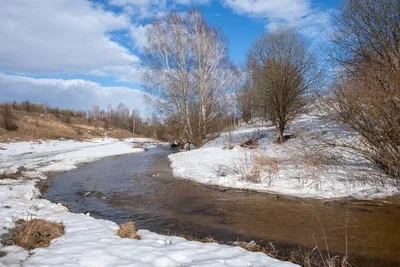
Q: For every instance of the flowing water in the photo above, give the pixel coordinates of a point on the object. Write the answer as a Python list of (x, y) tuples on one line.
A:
[(141, 187)]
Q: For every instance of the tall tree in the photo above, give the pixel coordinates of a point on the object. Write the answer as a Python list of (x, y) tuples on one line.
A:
[(284, 73), (187, 70)]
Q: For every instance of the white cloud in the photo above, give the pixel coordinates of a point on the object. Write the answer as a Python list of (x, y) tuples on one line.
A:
[(151, 8), (298, 13), (138, 33), (129, 74), (76, 93), (59, 36)]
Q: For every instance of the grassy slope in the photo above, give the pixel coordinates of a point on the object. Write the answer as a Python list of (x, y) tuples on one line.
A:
[(32, 127)]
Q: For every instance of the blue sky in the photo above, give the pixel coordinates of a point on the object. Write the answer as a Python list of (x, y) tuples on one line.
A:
[(77, 53)]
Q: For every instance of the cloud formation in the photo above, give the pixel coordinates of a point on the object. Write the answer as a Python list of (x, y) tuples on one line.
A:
[(299, 13), (59, 36), (75, 94), (81, 37)]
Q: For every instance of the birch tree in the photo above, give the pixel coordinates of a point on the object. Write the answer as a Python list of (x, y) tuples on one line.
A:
[(213, 72), (167, 61), (187, 70)]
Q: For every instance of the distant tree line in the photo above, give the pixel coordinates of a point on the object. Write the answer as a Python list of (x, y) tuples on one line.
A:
[(120, 117)]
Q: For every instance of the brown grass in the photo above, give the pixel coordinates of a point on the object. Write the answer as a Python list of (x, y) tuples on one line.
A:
[(16, 175), (128, 230), (33, 126), (305, 258), (121, 134), (263, 164), (208, 239), (36, 233)]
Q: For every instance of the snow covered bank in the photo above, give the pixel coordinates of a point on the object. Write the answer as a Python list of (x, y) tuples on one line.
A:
[(301, 167), (59, 155), (88, 241)]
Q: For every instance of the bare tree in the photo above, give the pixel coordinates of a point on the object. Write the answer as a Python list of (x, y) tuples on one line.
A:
[(213, 72), (187, 70), (366, 98), (245, 99), (167, 62), (367, 34), (284, 73), (96, 112)]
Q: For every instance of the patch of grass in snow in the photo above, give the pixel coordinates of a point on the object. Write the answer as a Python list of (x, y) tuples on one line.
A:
[(16, 175), (3, 253), (128, 230), (208, 239), (264, 169), (303, 257), (255, 167), (36, 233)]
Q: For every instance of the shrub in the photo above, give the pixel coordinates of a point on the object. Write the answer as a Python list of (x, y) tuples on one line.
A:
[(128, 230), (366, 99), (36, 233), (8, 119), (264, 168), (66, 119)]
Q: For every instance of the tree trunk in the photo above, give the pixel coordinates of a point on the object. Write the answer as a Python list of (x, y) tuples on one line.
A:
[(281, 131)]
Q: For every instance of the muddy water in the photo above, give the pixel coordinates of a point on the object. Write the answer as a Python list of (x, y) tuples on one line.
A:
[(141, 187)]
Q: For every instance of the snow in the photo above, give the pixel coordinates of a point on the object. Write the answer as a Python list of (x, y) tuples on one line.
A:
[(88, 241), (60, 155), (301, 170)]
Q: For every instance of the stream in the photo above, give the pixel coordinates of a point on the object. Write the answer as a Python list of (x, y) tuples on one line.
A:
[(140, 187)]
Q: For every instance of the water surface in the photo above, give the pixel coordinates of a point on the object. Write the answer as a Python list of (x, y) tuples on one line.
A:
[(141, 187)]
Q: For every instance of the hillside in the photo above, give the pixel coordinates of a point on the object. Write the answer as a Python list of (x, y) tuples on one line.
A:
[(34, 127), (304, 166)]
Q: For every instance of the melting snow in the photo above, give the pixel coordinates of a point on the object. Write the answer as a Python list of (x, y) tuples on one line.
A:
[(88, 241), (298, 173)]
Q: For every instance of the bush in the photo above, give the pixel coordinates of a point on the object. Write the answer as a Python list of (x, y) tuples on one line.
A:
[(66, 119), (366, 99), (9, 122), (36, 233)]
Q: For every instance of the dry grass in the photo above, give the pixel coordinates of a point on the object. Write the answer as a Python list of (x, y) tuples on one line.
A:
[(252, 166), (305, 258), (16, 175), (121, 134), (32, 126), (208, 239), (36, 233), (128, 230), (264, 168)]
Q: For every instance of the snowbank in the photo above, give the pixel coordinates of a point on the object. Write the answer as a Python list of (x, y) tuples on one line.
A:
[(60, 155), (88, 241), (298, 168)]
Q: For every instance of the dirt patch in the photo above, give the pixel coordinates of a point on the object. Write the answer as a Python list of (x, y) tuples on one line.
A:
[(36, 233)]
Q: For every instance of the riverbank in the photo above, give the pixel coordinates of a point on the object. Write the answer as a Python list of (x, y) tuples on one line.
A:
[(88, 241), (304, 166)]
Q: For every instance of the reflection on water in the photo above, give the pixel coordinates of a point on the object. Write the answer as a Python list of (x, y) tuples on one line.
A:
[(141, 187)]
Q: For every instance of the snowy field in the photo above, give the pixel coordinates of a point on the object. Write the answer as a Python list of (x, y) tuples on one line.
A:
[(88, 241), (301, 167)]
